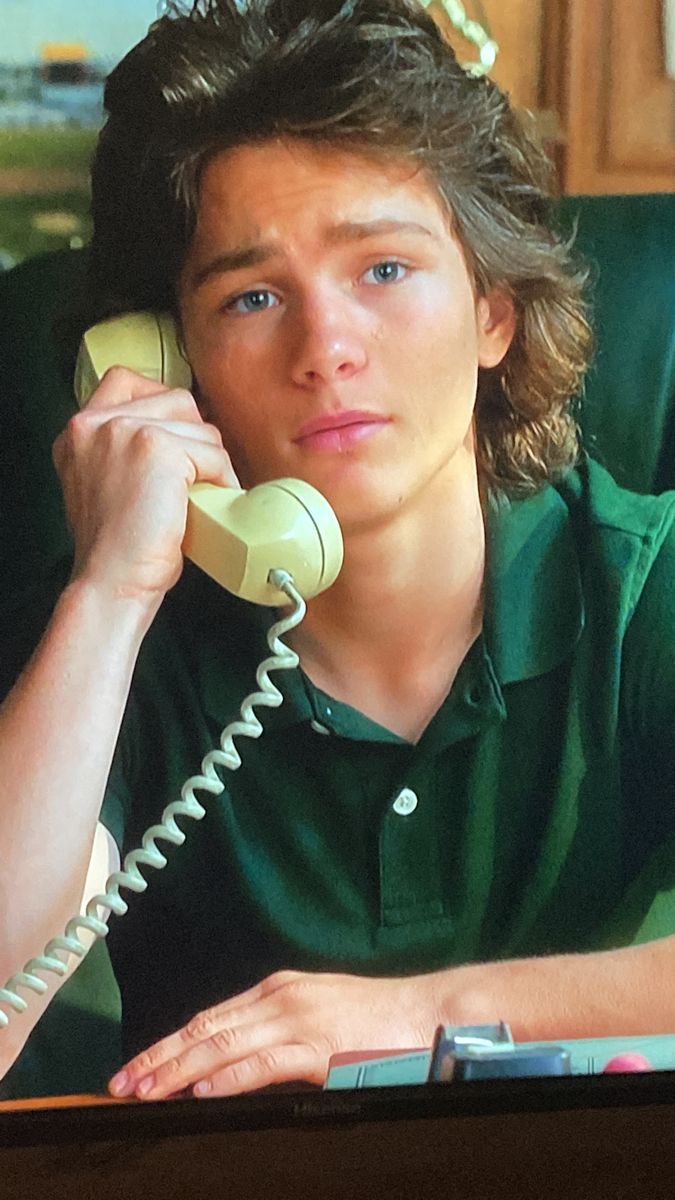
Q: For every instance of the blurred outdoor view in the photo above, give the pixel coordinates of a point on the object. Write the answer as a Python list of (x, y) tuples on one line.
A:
[(54, 57)]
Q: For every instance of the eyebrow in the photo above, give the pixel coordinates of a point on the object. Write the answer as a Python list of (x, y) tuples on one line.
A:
[(241, 257)]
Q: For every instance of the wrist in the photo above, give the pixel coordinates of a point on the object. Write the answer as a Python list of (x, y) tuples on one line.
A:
[(126, 574), (539, 998), (597, 994), (120, 612), (464, 995)]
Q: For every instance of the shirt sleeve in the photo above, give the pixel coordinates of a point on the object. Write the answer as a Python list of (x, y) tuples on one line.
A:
[(648, 683), (648, 749)]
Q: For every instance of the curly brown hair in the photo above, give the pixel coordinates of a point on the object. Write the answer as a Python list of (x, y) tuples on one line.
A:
[(378, 77)]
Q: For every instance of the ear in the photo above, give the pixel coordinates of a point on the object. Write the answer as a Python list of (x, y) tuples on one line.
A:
[(495, 324)]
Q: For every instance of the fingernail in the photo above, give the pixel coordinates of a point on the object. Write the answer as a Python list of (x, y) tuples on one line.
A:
[(202, 1088), (119, 1084), (146, 1085)]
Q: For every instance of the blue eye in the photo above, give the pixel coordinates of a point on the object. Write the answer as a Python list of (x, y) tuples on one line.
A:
[(389, 271), (257, 300)]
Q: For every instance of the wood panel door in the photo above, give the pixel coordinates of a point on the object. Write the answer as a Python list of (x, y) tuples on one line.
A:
[(605, 75)]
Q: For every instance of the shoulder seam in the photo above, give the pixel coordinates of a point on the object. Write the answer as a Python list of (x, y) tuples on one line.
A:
[(661, 512)]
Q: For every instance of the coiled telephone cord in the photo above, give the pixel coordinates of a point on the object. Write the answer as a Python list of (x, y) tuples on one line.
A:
[(149, 854)]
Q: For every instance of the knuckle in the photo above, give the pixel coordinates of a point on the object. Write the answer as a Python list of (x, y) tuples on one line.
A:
[(299, 990), (183, 399), (146, 440), (71, 443), (172, 1067), (108, 432), (280, 979), (145, 1063), (239, 1075), (77, 429), (224, 1040), (199, 1028), (269, 1065), (214, 434), (267, 1060), (117, 375)]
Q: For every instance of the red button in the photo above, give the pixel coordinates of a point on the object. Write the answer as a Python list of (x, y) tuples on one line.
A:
[(627, 1062)]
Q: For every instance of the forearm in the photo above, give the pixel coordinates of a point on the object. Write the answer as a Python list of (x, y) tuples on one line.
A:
[(58, 729), (625, 991)]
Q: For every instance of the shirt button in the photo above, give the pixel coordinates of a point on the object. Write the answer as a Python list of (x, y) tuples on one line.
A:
[(405, 803), (318, 727)]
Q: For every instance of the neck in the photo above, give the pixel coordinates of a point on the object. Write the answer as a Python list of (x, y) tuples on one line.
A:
[(409, 596)]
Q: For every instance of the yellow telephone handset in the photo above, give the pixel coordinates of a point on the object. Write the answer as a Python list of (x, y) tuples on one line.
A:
[(237, 537)]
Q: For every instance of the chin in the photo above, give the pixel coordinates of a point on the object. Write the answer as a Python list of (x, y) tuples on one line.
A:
[(364, 513)]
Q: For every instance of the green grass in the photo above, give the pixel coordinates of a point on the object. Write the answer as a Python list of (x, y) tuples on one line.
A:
[(47, 149), (20, 231), (44, 150)]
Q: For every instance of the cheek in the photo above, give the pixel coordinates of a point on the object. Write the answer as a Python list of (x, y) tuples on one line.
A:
[(232, 408), (223, 391), (443, 374), (442, 359), (224, 403), (439, 326), (229, 351)]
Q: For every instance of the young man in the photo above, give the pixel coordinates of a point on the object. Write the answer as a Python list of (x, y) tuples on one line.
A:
[(463, 807)]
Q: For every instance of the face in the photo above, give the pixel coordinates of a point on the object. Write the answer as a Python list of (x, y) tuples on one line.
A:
[(332, 326)]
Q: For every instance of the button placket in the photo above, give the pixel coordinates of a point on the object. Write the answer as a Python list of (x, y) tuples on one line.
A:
[(410, 886)]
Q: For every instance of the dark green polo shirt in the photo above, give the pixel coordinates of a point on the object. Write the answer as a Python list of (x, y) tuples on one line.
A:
[(536, 814)]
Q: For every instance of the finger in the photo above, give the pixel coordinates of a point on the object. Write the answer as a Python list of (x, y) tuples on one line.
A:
[(125, 424), (231, 1028), (178, 404), (111, 430), (203, 461), (120, 384), (192, 452), (271, 1065), (226, 1046), (260, 991)]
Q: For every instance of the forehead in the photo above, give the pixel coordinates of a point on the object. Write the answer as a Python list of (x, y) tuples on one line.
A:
[(252, 189)]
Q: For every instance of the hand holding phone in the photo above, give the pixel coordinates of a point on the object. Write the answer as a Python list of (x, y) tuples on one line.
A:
[(126, 463), (237, 537)]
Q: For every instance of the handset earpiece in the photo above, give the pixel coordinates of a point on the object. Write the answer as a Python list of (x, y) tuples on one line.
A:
[(145, 342)]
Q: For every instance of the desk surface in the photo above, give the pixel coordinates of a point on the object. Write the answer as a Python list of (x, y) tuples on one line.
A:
[(57, 1102), (31, 1104)]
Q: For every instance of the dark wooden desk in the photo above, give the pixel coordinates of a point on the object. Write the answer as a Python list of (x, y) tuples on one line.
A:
[(596, 1137)]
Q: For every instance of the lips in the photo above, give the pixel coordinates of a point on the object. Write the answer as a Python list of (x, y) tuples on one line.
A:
[(330, 422)]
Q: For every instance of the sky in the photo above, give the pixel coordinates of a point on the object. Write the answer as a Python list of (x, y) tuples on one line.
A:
[(107, 27)]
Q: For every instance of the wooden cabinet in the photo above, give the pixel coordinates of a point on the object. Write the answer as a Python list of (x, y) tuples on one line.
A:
[(593, 71), (604, 74)]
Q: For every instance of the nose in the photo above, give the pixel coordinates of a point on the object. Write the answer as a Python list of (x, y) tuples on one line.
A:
[(330, 342)]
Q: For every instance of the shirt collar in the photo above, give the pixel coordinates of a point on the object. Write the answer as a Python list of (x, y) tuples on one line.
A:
[(533, 596), (533, 613)]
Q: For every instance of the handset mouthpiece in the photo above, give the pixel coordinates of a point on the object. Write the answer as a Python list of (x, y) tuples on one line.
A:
[(239, 537)]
